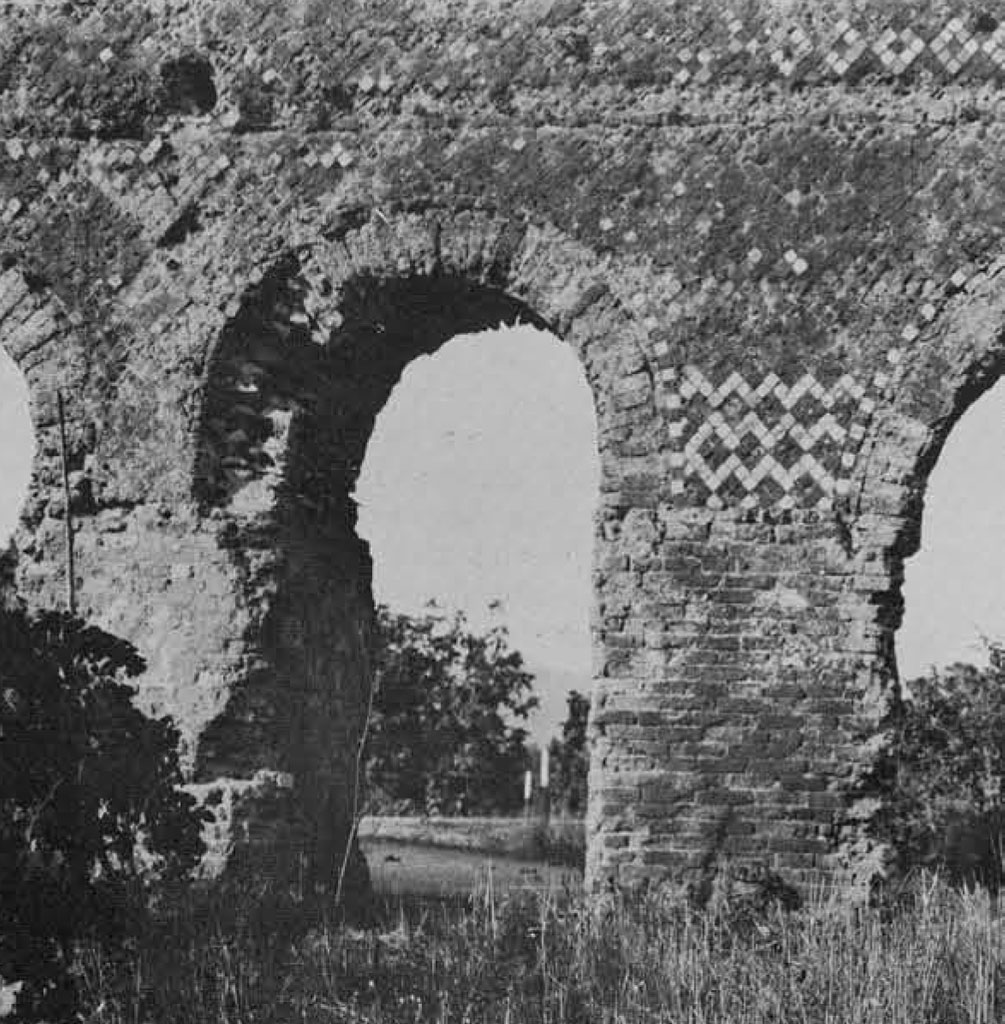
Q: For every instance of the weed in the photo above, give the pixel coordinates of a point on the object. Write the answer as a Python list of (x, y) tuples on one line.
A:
[(508, 958)]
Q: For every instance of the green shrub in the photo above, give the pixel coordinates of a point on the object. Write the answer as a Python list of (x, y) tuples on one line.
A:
[(91, 815), (942, 775), (570, 757), (444, 738)]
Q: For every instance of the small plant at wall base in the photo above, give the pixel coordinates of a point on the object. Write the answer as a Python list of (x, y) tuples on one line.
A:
[(942, 777), (91, 816), (444, 737)]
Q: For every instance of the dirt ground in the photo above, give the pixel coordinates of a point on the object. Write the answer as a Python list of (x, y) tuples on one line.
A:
[(408, 870)]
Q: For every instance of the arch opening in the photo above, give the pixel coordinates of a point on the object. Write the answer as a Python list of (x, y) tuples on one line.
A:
[(954, 586), (478, 492), (17, 452), (290, 405)]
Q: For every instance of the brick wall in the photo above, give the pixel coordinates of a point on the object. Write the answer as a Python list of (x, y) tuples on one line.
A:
[(771, 232)]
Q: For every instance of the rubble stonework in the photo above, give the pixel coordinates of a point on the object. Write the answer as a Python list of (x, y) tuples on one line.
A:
[(772, 231)]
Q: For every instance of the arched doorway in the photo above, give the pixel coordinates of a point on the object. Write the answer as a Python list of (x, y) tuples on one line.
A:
[(293, 390), (479, 490), (954, 586)]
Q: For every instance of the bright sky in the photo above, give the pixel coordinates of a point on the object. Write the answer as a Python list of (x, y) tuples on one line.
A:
[(954, 587), (479, 484), (17, 445)]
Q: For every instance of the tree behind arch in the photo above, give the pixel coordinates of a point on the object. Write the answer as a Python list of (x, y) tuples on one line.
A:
[(943, 776), (444, 737), (570, 756)]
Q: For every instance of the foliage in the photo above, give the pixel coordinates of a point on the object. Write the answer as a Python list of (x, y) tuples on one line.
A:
[(525, 958), (942, 776), (90, 812), (443, 738), (570, 757)]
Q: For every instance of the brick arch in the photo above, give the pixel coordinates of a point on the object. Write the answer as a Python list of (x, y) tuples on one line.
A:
[(950, 370), (541, 277), (918, 397), (293, 386)]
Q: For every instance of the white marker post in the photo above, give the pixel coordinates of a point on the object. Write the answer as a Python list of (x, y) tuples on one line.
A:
[(528, 789), (545, 801)]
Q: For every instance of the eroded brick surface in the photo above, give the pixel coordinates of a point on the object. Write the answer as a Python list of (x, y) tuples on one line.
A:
[(771, 231)]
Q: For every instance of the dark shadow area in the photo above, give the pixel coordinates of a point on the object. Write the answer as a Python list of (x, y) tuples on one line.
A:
[(187, 85), (273, 358)]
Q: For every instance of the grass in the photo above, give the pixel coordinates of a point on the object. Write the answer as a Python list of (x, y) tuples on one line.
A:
[(549, 957)]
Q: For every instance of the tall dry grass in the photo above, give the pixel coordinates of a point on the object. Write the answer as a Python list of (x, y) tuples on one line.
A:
[(519, 957)]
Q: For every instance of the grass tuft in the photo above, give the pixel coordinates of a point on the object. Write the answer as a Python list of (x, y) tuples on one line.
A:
[(552, 957)]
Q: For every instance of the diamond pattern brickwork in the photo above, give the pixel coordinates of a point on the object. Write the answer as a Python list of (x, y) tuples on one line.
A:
[(844, 48), (770, 443)]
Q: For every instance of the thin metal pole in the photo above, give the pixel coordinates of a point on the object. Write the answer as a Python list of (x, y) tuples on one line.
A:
[(71, 582)]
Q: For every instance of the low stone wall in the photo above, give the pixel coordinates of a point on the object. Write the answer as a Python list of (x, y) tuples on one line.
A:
[(514, 836)]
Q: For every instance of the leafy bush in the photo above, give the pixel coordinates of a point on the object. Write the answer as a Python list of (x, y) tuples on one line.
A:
[(90, 810), (443, 738), (943, 773)]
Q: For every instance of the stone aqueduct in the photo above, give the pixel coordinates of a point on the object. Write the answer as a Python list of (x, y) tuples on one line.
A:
[(771, 230)]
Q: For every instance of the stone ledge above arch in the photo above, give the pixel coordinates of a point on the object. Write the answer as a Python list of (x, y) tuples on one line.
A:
[(273, 64)]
